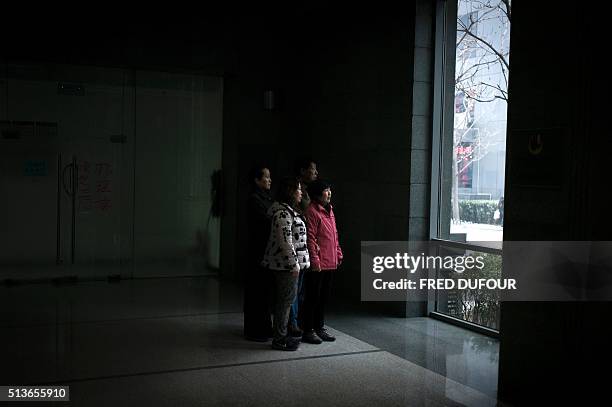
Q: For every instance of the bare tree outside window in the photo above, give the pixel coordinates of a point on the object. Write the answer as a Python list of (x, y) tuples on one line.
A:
[(479, 145), (483, 48), (481, 95)]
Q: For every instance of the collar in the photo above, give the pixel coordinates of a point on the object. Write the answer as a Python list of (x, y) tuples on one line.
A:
[(321, 208), (290, 208), (263, 194)]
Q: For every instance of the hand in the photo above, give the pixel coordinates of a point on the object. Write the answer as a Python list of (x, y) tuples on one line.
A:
[(316, 268), (296, 270)]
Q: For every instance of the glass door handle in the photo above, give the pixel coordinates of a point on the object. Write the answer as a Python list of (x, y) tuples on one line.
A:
[(70, 188), (58, 218)]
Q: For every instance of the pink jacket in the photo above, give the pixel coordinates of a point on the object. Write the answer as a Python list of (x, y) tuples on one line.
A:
[(323, 246)]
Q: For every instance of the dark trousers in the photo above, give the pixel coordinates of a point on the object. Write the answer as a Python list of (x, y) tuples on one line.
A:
[(257, 303), (285, 292), (317, 289)]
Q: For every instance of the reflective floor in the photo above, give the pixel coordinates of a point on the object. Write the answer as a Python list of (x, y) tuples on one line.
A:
[(178, 341)]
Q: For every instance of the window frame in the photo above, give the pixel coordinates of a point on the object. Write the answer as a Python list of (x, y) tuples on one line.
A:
[(443, 103)]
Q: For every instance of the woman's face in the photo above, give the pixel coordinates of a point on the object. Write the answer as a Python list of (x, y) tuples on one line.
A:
[(297, 195), (265, 182), (326, 196)]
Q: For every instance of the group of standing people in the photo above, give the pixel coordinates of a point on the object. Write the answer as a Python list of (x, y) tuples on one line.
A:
[(293, 251)]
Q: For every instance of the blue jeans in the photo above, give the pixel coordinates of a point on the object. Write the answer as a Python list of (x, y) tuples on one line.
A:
[(299, 298)]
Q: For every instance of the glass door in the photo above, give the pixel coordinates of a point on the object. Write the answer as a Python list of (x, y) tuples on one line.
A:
[(109, 173), (93, 201), (62, 163)]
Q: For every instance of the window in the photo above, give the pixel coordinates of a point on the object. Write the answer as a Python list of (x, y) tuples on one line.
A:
[(471, 94)]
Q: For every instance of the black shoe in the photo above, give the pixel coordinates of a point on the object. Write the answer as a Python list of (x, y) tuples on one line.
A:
[(311, 337), (295, 331), (324, 335), (288, 344), (295, 341)]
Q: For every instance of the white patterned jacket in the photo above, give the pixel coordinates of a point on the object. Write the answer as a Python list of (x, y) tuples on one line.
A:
[(286, 249)]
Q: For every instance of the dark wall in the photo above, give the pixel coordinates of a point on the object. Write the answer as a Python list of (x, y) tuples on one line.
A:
[(355, 117), (260, 61), (153, 42), (549, 351), (344, 88)]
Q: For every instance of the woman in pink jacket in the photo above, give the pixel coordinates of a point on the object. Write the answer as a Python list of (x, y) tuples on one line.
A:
[(325, 257)]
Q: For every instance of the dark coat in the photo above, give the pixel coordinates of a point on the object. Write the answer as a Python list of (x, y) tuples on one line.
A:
[(258, 224)]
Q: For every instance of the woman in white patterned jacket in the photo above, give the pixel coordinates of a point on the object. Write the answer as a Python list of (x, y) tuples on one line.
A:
[(286, 256)]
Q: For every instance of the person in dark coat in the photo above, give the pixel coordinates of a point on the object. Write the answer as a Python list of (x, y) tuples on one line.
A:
[(258, 283)]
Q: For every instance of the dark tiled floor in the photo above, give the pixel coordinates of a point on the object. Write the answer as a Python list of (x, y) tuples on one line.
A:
[(459, 354), (161, 342)]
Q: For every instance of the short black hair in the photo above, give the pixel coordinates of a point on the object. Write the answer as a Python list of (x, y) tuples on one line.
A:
[(302, 164), (316, 188), (286, 189), (256, 171)]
